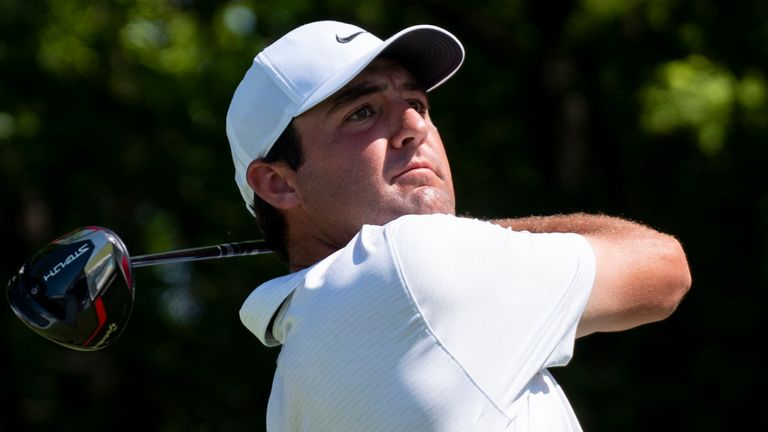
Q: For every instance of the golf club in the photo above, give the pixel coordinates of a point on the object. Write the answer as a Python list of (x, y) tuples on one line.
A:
[(78, 290)]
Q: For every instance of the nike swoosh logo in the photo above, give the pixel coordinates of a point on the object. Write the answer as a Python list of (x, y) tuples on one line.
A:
[(348, 38)]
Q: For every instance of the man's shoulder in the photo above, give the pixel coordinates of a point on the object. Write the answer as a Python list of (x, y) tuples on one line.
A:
[(434, 220), (433, 225), (421, 238)]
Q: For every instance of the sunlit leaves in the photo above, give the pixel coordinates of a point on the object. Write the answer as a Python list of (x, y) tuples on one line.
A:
[(698, 95), (167, 41), (67, 42), (234, 27), (7, 125), (143, 34), (602, 10), (752, 95), (591, 15), (658, 12), (239, 19)]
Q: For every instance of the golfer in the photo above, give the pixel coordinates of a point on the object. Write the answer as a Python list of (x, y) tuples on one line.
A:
[(398, 315)]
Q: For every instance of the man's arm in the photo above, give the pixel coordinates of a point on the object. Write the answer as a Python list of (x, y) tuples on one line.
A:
[(641, 275)]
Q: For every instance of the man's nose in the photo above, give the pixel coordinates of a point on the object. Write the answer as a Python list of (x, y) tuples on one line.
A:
[(410, 126)]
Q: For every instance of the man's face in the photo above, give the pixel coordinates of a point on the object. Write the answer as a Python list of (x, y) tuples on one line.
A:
[(371, 154)]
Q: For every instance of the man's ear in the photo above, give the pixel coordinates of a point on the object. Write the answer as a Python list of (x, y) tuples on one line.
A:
[(273, 183)]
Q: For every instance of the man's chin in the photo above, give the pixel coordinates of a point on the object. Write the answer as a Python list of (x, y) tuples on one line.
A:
[(431, 200)]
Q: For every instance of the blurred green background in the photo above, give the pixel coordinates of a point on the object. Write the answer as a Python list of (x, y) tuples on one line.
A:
[(112, 114)]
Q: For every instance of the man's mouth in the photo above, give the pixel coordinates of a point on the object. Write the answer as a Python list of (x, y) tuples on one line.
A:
[(414, 170)]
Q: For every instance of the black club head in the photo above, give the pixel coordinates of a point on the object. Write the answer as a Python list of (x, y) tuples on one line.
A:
[(77, 291)]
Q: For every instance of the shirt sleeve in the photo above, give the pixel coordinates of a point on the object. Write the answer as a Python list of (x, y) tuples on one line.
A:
[(503, 304)]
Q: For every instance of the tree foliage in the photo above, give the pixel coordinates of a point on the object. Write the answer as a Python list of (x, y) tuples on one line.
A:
[(112, 114)]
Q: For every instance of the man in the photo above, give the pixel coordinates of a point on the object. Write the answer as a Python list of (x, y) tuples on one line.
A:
[(398, 315)]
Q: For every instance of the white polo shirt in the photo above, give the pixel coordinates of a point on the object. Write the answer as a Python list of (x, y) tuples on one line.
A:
[(429, 323)]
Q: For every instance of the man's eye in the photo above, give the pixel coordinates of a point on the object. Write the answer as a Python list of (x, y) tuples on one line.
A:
[(362, 113), (418, 105)]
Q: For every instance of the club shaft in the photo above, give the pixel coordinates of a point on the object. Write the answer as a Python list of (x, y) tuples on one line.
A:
[(253, 247)]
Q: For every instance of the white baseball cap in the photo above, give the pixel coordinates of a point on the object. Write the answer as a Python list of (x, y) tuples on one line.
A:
[(311, 63)]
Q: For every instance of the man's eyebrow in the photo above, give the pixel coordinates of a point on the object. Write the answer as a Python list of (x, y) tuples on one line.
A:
[(353, 92), (361, 89)]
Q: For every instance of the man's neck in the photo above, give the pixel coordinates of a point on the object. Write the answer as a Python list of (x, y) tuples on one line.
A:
[(305, 250)]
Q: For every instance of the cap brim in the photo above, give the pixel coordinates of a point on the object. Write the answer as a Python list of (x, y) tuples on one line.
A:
[(430, 53)]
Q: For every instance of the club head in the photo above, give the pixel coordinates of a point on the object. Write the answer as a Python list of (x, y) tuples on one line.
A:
[(77, 291)]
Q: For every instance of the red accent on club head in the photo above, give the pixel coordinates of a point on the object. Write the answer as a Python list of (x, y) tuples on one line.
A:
[(127, 271), (101, 313)]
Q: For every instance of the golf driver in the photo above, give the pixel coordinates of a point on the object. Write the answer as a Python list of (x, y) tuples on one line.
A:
[(78, 290)]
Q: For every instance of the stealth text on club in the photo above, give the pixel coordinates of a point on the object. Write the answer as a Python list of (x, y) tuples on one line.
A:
[(78, 290)]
